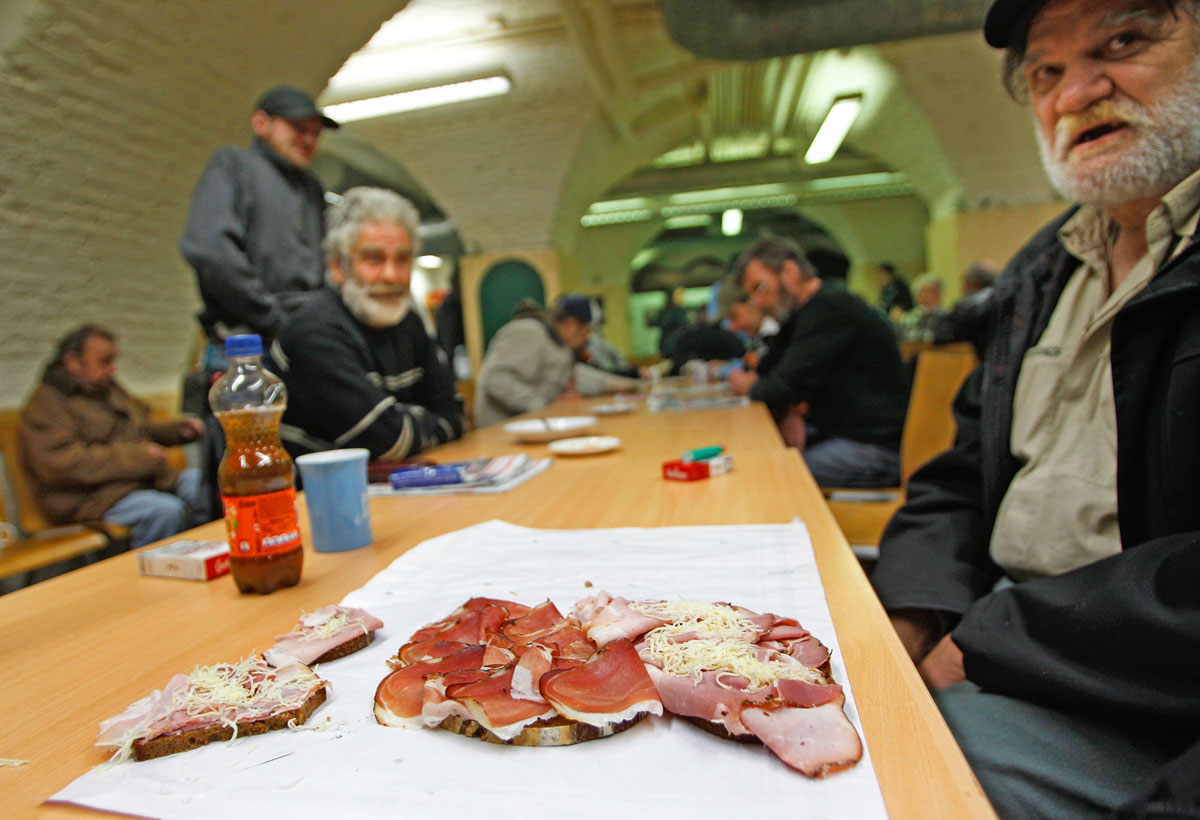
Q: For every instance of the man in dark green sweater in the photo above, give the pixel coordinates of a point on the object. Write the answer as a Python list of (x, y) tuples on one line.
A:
[(835, 363)]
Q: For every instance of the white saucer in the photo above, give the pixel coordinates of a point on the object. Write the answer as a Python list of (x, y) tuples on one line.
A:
[(584, 445), (613, 409), (548, 429)]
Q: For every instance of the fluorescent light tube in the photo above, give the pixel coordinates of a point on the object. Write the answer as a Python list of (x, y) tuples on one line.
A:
[(833, 130), (419, 98)]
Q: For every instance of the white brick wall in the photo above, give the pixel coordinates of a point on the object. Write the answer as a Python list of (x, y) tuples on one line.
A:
[(111, 108)]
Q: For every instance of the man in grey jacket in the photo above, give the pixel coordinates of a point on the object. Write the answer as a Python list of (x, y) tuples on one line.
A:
[(254, 230), (531, 361)]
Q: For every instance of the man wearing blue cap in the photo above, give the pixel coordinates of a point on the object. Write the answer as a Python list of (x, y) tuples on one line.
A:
[(1045, 572), (531, 361), (254, 230)]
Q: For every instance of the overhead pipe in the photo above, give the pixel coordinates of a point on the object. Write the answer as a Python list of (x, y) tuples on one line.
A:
[(761, 29)]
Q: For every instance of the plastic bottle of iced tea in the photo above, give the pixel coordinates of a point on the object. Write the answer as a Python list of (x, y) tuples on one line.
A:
[(255, 476)]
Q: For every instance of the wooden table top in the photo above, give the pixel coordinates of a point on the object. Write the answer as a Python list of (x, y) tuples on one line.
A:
[(80, 648)]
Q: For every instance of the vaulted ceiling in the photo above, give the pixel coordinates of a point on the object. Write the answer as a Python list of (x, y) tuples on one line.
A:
[(608, 111)]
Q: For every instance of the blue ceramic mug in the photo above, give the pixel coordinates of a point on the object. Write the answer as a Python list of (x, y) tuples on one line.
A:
[(335, 490)]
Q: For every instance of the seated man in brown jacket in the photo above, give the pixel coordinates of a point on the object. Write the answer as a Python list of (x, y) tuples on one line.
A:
[(92, 452)]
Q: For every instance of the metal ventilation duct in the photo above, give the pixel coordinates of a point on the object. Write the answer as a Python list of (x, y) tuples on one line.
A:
[(760, 29)]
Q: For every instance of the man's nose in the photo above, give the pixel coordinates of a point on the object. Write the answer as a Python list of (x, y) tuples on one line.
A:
[(1081, 86), (397, 271)]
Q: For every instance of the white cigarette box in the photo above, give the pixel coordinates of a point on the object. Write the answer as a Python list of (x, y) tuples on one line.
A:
[(196, 560)]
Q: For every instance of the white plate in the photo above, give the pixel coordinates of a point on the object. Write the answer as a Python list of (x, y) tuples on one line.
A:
[(584, 445), (549, 429), (614, 408)]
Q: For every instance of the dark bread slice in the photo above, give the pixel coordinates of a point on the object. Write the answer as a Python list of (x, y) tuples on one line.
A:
[(150, 748), (348, 648), (719, 730), (552, 731)]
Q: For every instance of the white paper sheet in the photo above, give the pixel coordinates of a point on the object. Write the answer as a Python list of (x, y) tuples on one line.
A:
[(661, 768)]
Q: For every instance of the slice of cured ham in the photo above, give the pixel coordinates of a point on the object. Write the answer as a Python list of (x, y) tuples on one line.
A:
[(816, 740), (491, 705), (718, 703), (607, 618), (324, 635), (610, 687), (400, 696)]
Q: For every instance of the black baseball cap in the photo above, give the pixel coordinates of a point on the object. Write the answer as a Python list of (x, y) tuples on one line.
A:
[(1009, 17), (291, 103)]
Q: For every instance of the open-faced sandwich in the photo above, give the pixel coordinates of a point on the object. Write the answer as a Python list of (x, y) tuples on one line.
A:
[(324, 635), (507, 673), (214, 703), (742, 675)]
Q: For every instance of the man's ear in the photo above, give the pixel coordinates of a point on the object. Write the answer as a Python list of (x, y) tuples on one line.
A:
[(73, 363), (337, 274), (260, 123)]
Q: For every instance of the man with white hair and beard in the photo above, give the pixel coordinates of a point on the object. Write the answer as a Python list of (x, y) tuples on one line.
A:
[(1045, 572), (360, 369)]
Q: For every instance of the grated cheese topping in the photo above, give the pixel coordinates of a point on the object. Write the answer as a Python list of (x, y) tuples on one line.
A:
[(226, 693), (723, 643), (325, 623)]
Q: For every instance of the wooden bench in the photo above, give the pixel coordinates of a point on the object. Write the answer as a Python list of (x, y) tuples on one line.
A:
[(928, 430), (40, 543)]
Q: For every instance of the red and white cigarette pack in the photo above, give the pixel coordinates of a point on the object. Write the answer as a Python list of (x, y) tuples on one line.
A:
[(195, 560), (680, 470)]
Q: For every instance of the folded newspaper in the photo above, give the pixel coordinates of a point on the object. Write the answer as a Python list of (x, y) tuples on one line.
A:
[(495, 474)]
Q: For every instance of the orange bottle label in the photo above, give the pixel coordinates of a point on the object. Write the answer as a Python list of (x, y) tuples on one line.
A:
[(261, 524)]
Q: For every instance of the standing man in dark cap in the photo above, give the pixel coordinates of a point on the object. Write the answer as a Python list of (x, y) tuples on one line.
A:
[(1045, 572), (254, 231), (253, 236)]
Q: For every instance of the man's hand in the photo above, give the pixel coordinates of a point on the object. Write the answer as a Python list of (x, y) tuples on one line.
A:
[(943, 666), (190, 428), (156, 452), (918, 629), (740, 381)]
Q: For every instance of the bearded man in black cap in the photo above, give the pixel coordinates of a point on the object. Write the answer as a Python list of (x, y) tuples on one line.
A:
[(255, 227), (1045, 572)]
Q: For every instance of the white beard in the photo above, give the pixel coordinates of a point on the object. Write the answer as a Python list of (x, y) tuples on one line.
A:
[(369, 308), (1166, 150)]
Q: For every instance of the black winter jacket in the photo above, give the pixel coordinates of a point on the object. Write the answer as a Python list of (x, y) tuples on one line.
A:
[(1121, 634)]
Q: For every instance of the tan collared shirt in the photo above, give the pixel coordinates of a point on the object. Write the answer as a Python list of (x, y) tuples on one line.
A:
[(1060, 512)]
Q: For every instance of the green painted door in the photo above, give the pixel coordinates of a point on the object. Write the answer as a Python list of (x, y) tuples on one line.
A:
[(506, 283)]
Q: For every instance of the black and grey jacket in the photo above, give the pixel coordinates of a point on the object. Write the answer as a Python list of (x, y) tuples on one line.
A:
[(1121, 635), (349, 385), (253, 236)]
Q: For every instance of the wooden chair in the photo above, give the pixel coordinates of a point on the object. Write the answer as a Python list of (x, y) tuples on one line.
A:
[(928, 430), (39, 543)]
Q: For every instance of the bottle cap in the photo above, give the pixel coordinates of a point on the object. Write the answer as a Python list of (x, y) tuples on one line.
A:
[(248, 344)]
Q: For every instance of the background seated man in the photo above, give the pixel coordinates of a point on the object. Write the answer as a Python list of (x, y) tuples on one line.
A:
[(360, 369), (921, 323), (92, 452), (531, 361), (1045, 572), (706, 340), (833, 352), (966, 320)]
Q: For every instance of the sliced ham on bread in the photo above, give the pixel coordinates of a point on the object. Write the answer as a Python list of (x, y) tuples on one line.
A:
[(213, 703), (326, 634), (508, 673), (738, 674)]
